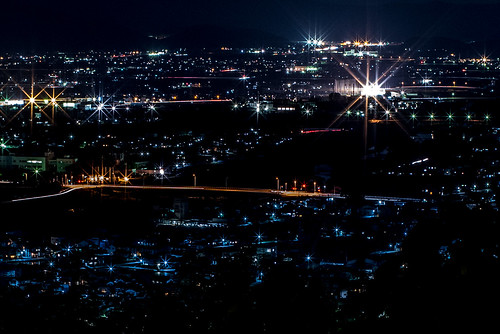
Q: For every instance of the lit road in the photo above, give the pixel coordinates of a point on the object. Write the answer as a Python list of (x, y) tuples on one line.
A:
[(64, 192), (288, 194)]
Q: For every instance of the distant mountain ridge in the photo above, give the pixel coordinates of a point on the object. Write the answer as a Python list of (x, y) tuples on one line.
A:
[(443, 46), (213, 36), (111, 25)]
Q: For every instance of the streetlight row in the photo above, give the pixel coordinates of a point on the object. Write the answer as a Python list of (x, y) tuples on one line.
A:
[(303, 185)]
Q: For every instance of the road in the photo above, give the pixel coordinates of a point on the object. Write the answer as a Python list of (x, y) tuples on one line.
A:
[(288, 194)]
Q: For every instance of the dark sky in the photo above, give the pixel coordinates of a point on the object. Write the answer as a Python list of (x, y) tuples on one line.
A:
[(60, 24)]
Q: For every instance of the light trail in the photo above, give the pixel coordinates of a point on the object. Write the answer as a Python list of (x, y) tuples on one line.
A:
[(70, 188), (64, 192), (195, 101)]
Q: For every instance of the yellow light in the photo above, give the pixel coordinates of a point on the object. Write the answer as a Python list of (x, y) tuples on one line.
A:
[(32, 100)]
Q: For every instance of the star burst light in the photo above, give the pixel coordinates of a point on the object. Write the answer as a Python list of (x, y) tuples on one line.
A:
[(153, 113), (314, 40), (53, 99), (165, 262), (103, 106), (36, 97), (101, 109), (161, 173), (125, 177), (32, 101), (97, 175), (4, 145), (258, 237), (371, 90)]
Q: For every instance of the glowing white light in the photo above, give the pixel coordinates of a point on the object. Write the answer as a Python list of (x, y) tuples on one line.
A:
[(32, 100), (100, 106), (372, 90), (13, 102), (53, 101), (162, 171)]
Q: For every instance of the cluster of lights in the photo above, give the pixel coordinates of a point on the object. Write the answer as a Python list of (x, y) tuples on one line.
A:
[(450, 117), (314, 42), (362, 43)]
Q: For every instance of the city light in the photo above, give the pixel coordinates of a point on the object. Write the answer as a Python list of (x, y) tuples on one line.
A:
[(165, 262), (153, 190), (258, 237), (372, 90)]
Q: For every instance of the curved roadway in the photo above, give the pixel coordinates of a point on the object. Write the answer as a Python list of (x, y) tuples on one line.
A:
[(70, 188)]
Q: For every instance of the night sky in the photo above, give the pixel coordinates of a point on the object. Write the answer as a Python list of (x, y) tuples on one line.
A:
[(58, 25)]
